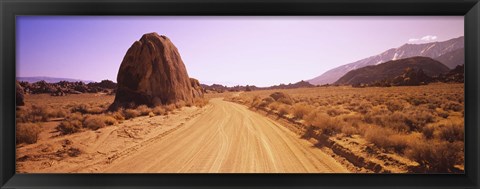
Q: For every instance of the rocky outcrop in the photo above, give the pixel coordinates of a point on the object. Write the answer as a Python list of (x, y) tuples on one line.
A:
[(197, 90), (152, 73), (19, 95), (67, 87)]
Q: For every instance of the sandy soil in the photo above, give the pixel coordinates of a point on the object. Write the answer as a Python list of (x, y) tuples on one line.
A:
[(223, 137)]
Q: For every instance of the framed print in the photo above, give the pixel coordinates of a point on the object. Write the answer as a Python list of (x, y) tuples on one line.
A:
[(239, 94)]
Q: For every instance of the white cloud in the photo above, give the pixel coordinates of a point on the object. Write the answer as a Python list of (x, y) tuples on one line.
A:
[(427, 38)]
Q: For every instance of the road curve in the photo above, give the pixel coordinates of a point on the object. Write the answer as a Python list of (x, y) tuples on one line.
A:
[(228, 138)]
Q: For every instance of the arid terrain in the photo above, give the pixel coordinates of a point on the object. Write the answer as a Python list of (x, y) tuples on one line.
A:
[(315, 130), (375, 129), (400, 116), (221, 137)]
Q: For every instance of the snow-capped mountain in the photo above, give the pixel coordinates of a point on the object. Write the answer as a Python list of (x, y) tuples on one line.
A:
[(432, 50)]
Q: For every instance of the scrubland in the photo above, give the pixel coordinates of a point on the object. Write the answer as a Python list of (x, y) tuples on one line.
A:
[(422, 123), (79, 112)]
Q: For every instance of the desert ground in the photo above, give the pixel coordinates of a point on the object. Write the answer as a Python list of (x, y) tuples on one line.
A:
[(221, 137), (335, 129)]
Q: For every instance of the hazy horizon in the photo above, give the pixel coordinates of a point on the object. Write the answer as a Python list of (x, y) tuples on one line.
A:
[(261, 51)]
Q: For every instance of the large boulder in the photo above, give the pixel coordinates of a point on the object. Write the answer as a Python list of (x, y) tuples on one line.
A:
[(152, 73), (19, 95)]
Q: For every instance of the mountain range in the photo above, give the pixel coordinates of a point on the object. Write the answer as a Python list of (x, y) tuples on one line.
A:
[(448, 52)]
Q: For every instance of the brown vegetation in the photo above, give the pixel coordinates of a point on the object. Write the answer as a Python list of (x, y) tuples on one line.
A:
[(91, 114), (422, 123), (27, 133)]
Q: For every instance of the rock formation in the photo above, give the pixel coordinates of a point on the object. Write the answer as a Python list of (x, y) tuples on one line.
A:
[(152, 73), (19, 95), (197, 90), (66, 87)]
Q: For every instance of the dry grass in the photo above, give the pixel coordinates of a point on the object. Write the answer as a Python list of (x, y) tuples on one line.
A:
[(436, 156), (300, 110), (401, 120), (38, 113), (200, 102), (131, 113), (77, 113), (27, 133), (159, 110), (283, 110), (143, 110)]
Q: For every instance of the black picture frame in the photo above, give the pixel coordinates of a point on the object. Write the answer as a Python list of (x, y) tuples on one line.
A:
[(9, 9)]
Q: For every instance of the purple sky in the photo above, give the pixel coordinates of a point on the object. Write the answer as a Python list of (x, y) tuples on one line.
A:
[(262, 51)]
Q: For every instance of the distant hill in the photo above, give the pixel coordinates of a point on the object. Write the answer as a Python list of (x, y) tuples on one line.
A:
[(300, 84), (432, 50), (50, 79), (453, 59), (393, 69)]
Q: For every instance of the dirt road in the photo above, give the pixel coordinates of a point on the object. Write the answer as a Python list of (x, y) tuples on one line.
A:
[(227, 138)]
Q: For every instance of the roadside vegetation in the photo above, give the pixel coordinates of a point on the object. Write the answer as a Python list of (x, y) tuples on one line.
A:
[(76, 113), (423, 123)]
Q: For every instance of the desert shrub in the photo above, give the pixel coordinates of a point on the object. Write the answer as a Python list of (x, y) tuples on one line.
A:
[(265, 102), (278, 95), (131, 113), (395, 121), (200, 102), (336, 111), (95, 110), (143, 110), (118, 115), (441, 113), (432, 106), (81, 108), (180, 104), (38, 113), (300, 110), (389, 139), (109, 120), (428, 131), (352, 118), (394, 105), (274, 106), (27, 133), (170, 107), (451, 131), (379, 136), (436, 156), (69, 127), (94, 122), (87, 109), (454, 106), (416, 119), (283, 110), (349, 130), (364, 107), (417, 100), (159, 110), (288, 101), (373, 116), (256, 101), (326, 124)]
